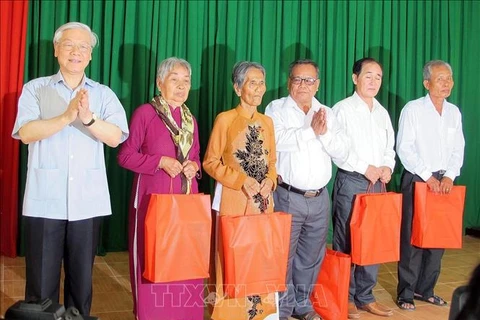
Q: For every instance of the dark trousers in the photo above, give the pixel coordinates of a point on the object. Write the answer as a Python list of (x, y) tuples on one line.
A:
[(308, 239), (48, 242), (362, 278), (418, 269)]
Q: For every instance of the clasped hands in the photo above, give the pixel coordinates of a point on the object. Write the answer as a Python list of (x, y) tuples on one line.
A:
[(440, 186), (251, 187), (173, 167), (383, 173), (319, 122), (79, 107)]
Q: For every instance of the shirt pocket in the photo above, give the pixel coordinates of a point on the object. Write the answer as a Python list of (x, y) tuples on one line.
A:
[(380, 134), (451, 137), (46, 184), (95, 184)]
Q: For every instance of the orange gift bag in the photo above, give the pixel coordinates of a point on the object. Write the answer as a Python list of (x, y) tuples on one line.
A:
[(375, 228), (330, 293), (438, 218), (177, 237), (256, 253)]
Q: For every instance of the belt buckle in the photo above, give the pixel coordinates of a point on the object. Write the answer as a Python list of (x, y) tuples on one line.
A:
[(310, 194)]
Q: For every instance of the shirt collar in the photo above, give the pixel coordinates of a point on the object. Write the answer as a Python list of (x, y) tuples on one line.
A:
[(58, 77), (244, 113), (316, 105), (428, 101), (359, 103)]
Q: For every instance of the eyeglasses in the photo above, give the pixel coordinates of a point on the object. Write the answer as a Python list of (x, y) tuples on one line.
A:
[(298, 81), (69, 46)]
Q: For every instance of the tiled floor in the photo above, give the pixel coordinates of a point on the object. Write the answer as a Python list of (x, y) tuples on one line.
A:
[(112, 296)]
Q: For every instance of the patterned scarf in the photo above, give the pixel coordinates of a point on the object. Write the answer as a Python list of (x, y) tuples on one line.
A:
[(182, 137)]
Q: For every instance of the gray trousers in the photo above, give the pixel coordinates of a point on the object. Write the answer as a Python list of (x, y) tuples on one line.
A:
[(48, 243), (307, 247), (418, 269), (362, 278)]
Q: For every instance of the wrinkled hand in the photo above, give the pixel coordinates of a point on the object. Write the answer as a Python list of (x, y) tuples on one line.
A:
[(373, 174), (171, 166), (266, 187), (84, 112), (251, 187), (446, 185), (433, 184), (385, 174), (319, 122), (72, 110), (190, 169)]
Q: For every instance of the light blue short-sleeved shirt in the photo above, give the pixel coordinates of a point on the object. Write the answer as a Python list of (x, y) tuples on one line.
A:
[(66, 176)]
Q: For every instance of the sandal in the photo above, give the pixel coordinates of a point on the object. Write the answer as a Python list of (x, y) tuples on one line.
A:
[(436, 300), (312, 315), (403, 302)]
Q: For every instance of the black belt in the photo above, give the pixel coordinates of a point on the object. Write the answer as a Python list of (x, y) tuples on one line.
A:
[(305, 193), (439, 172), (352, 173)]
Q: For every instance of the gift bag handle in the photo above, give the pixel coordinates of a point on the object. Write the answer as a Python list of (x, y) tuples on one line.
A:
[(249, 201), (371, 188), (171, 187)]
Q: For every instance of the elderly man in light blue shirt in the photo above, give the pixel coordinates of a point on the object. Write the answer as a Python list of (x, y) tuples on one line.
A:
[(66, 119)]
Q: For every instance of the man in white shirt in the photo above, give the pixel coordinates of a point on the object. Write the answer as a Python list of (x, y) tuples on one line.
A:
[(307, 137), (430, 145), (370, 161)]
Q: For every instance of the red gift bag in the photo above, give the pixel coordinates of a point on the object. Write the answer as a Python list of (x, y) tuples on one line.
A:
[(330, 293), (177, 237), (438, 218), (255, 251), (375, 228)]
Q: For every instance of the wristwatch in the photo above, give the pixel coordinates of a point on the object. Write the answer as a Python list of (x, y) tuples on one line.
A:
[(94, 117)]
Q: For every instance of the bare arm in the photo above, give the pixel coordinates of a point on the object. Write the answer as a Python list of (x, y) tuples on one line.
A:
[(37, 130), (104, 131)]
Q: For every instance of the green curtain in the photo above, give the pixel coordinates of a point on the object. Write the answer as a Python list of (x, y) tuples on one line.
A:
[(213, 35)]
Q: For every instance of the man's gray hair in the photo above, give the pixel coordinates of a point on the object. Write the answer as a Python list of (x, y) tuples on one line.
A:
[(75, 25), (241, 69), (427, 69), (167, 65)]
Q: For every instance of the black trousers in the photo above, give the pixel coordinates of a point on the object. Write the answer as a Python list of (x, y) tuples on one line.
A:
[(362, 278), (48, 242), (418, 269)]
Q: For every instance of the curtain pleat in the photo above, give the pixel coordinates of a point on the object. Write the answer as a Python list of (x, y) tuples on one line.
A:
[(12, 52)]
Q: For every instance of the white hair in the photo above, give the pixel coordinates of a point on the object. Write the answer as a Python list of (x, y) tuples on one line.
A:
[(75, 25), (427, 69), (167, 65), (240, 70)]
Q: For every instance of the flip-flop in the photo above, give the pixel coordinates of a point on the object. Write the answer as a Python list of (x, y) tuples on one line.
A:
[(402, 302), (436, 300)]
